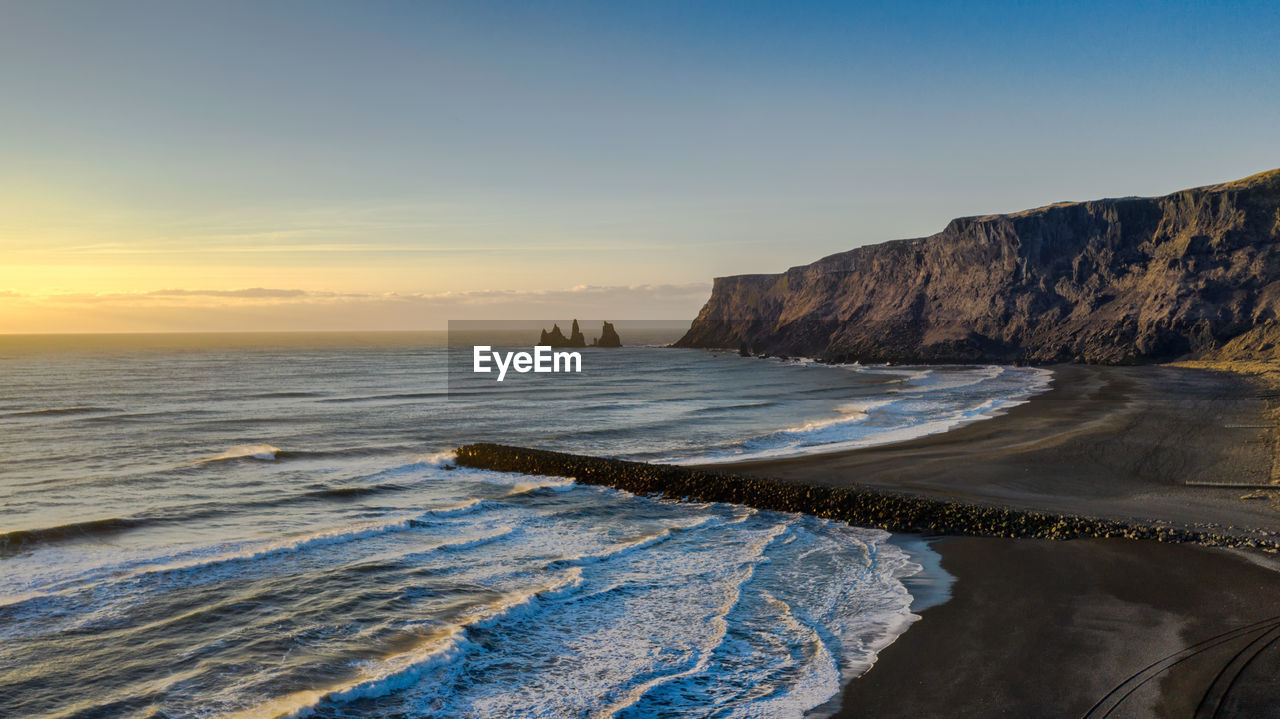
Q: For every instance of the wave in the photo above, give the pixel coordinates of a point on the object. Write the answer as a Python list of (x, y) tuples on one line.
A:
[(453, 510), (847, 413), (352, 533), (272, 549), (15, 542), (439, 459), (398, 671), (23, 540), (19, 539), (473, 542), (720, 621), (935, 381), (140, 417), (904, 421), (522, 488), (268, 452), (719, 409), (815, 687), (350, 492), (264, 452), (624, 548), (328, 537), (57, 411), (133, 572), (380, 397), (288, 395)]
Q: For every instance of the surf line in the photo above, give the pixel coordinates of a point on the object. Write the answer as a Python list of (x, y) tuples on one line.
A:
[(541, 360)]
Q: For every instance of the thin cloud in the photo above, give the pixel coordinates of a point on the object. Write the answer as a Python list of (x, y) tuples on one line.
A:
[(162, 248), (580, 293), (252, 292), (290, 309)]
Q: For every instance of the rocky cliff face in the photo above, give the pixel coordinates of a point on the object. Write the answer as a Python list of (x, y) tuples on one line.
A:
[(1112, 281)]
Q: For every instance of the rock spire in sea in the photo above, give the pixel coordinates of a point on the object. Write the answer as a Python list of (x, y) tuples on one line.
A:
[(555, 338)]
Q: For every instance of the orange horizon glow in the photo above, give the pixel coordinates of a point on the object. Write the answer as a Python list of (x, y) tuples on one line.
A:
[(411, 171)]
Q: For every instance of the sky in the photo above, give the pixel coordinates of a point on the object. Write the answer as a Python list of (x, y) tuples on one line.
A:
[(316, 165)]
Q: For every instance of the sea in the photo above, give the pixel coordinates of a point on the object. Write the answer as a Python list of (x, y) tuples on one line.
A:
[(259, 525)]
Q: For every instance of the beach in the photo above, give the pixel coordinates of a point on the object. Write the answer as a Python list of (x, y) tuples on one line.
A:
[(1048, 628), (467, 585), (1099, 625), (1109, 442)]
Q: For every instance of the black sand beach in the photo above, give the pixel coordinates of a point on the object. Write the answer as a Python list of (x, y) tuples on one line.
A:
[(1039, 627), (1045, 628), (1111, 442)]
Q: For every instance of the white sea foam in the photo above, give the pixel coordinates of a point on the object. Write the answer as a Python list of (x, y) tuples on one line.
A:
[(732, 595), (527, 487), (439, 459), (208, 558), (928, 401), (627, 597), (846, 413), (932, 380), (398, 671), (721, 577), (451, 591), (264, 452), (614, 551)]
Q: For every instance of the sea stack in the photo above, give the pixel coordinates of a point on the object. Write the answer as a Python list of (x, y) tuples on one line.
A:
[(556, 339), (608, 337), (576, 338)]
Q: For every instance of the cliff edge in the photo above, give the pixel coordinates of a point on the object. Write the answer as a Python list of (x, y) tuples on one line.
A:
[(1112, 281)]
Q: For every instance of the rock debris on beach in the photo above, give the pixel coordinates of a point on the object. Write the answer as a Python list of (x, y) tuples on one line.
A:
[(884, 510)]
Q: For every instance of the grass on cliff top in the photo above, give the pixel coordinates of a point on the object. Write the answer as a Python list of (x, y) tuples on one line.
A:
[(1265, 374), (1265, 371)]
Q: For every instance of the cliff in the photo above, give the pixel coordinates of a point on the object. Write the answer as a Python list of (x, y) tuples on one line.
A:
[(1109, 281)]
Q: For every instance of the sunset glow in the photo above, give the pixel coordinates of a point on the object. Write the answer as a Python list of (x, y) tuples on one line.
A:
[(220, 148)]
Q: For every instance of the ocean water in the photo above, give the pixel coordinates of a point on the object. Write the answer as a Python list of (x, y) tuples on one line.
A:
[(270, 526)]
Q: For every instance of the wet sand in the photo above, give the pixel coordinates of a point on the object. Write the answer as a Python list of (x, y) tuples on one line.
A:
[(1040, 628), (1108, 442), (1048, 628)]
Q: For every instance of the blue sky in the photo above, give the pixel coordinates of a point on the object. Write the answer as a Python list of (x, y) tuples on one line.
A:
[(462, 149)]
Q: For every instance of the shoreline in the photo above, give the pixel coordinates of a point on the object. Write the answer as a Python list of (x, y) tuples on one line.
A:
[(1045, 628), (1031, 626), (855, 504), (1041, 628), (1114, 443), (1036, 627)]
